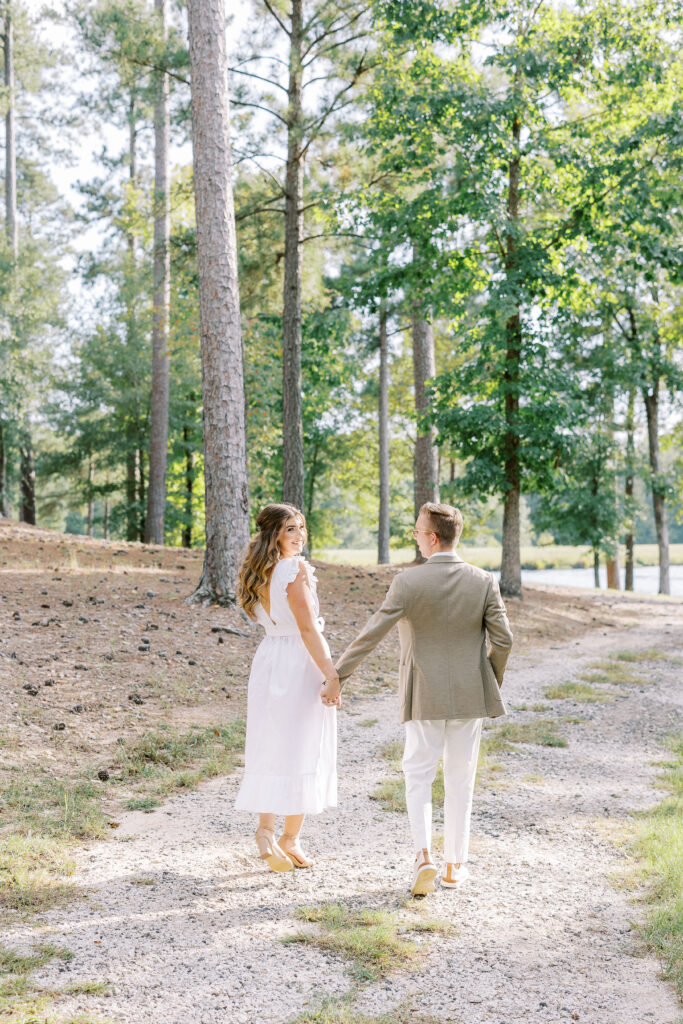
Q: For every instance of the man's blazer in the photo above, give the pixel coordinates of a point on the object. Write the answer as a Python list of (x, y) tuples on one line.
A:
[(444, 609)]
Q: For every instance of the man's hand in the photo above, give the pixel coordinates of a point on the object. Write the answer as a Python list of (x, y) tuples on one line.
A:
[(330, 692)]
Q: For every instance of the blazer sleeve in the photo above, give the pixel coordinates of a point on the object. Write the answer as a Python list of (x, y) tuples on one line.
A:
[(375, 628), (498, 629)]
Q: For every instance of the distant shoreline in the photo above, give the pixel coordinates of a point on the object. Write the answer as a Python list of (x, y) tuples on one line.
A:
[(549, 556)]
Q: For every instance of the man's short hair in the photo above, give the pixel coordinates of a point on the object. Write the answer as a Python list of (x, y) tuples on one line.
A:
[(445, 521)]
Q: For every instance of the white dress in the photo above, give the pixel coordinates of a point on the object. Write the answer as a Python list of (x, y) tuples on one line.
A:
[(291, 748)]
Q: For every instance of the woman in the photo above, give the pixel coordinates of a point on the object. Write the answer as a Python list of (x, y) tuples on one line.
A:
[(290, 757)]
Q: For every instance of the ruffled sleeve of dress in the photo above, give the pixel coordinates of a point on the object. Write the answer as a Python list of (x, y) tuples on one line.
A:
[(310, 572), (285, 572)]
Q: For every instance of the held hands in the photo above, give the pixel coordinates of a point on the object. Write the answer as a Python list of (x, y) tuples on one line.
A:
[(330, 692)]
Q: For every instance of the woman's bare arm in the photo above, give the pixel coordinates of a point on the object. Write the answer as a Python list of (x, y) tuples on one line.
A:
[(301, 602)]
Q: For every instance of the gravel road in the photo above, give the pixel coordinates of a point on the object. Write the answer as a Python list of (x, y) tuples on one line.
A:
[(184, 921)]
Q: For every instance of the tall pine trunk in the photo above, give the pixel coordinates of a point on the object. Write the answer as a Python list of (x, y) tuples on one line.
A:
[(225, 463), (91, 499), (11, 226), (4, 497), (651, 399), (158, 434), (10, 142), (189, 487), (292, 426), (628, 487), (384, 525), (27, 508), (140, 462), (511, 567), (131, 497), (132, 511)]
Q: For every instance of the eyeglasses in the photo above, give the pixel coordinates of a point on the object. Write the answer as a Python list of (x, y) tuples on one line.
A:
[(428, 532)]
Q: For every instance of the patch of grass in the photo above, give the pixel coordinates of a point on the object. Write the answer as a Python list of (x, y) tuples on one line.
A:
[(391, 794), (392, 751), (33, 873), (20, 1001), (540, 732), (54, 808), (649, 654), (83, 988), (574, 719), (612, 672), (368, 723), (13, 962), (368, 939), (660, 844), (42, 817), (577, 691), (145, 803), (540, 707), (343, 1010), (163, 760), (164, 753)]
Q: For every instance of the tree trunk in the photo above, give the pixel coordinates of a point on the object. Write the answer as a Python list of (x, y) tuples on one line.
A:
[(27, 513), (628, 487), (132, 523), (189, 488), (140, 464), (311, 478), (10, 145), (384, 525), (292, 425), (225, 463), (596, 569), (426, 454), (511, 568), (91, 503), (4, 497), (613, 581), (105, 520), (658, 486), (10, 214), (131, 499), (158, 434)]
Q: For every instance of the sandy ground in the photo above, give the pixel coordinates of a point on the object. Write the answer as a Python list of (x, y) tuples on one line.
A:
[(182, 919)]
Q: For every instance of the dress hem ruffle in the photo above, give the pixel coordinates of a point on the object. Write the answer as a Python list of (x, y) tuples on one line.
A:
[(282, 794)]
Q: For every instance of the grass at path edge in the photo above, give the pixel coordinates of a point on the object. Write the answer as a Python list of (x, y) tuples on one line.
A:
[(43, 816), (659, 842)]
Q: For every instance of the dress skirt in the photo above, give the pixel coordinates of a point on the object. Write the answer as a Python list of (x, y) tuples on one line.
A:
[(291, 744)]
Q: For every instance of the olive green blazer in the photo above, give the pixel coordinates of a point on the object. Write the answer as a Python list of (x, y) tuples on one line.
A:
[(444, 609)]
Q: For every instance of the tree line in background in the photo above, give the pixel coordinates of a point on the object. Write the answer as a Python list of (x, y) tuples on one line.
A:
[(457, 236)]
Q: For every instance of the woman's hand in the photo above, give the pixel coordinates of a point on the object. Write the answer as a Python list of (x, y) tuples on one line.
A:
[(330, 692)]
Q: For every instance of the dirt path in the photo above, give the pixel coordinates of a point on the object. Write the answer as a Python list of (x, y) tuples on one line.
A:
[(184, 921)]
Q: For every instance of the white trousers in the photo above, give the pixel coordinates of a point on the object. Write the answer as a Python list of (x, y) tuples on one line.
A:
[(457, 740)]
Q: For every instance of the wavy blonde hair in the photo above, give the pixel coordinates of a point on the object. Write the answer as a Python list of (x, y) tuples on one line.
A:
[(262, 554)]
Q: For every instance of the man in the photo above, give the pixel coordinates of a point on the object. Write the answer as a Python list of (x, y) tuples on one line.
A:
[(448, 681)]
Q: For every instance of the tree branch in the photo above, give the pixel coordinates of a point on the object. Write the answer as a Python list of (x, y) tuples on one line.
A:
[(250, 74), (318, 122), (258, 106), (269, 8)]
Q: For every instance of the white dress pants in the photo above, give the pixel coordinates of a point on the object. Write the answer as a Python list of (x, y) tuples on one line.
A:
[(457, 739)]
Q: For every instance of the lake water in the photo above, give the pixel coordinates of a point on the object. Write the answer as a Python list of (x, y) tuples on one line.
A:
[(645, 578)]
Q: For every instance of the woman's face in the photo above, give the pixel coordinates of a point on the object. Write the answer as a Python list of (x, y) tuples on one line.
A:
[(292, 537)]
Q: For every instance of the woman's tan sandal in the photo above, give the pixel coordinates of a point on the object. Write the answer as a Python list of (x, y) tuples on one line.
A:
[(290, 845), (271, 852)]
